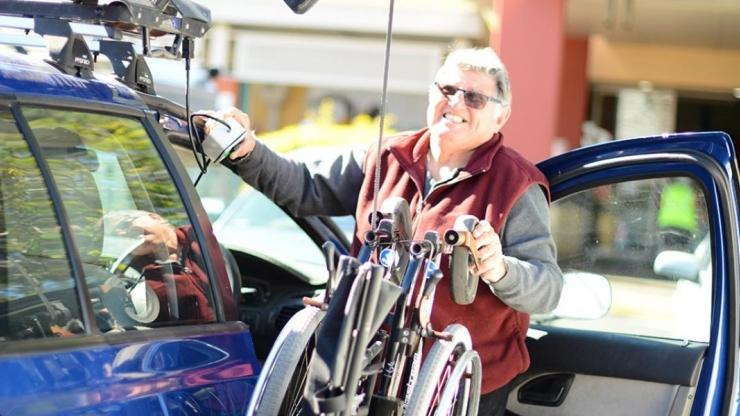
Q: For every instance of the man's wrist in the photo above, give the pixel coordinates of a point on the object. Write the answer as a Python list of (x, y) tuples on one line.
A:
[(499, 273)]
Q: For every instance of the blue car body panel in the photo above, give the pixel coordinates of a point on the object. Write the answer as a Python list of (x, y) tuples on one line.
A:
[(212, 374), (21, 75), (208, 369)]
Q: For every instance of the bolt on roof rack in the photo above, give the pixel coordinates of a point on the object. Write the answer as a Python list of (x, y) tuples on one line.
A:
[(140, 19)]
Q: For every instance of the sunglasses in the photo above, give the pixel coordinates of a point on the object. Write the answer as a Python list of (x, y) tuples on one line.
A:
[(472, 99)]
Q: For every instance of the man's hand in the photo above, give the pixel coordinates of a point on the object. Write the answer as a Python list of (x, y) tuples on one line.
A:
[(247, 145), (490, 255)]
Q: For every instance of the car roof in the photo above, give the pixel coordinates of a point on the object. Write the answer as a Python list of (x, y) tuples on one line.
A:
[(24, 75)]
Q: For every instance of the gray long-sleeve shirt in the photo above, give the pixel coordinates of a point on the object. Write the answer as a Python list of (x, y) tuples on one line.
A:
[(330, 187)]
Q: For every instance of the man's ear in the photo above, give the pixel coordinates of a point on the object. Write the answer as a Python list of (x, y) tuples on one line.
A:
[(503, 117)]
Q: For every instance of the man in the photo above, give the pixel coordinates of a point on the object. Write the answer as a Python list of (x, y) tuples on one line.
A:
[(168, 258), (456, 165)]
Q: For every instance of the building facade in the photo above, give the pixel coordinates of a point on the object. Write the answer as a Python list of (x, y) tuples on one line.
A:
[(581, 70)]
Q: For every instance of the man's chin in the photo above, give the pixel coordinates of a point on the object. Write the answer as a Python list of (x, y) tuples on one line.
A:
[(452, 133), (445, 128)]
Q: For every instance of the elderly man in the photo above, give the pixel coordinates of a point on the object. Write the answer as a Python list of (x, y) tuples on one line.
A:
[(457, 165)]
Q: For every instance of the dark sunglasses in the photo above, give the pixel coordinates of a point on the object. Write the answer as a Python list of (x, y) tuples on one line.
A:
[(472, 99)]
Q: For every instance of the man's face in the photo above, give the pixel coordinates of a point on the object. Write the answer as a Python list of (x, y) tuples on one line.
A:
[(449, 118)]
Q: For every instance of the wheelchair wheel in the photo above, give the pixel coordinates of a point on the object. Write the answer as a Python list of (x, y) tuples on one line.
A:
[(441, 377), (461, 394), (279, 389)]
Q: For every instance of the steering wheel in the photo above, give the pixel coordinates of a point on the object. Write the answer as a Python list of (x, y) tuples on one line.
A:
[(133, 301), (122, 263)]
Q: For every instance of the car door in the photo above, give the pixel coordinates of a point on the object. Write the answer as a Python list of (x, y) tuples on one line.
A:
[(658, 218), (113, 295)]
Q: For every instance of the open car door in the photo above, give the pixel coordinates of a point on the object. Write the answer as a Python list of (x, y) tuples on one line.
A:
[(658, 218)]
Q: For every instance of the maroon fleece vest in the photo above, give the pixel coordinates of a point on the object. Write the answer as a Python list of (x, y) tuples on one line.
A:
[(490, 184)]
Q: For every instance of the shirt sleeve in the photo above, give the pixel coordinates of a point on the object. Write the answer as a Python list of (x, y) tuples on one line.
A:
[(533, 281), (327, 187)]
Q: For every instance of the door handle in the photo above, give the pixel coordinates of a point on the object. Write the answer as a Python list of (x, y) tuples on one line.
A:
[(546, 390)]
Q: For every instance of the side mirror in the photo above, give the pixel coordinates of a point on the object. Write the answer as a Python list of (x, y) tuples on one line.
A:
[(300, 6), (585, 296), (677, 265)]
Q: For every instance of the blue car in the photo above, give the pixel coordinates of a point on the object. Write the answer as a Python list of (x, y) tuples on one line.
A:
[(117, 298)]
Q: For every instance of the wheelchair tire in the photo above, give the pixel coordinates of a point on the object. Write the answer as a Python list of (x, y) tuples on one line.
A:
[(279, 389), (436, 371), (461, 394)]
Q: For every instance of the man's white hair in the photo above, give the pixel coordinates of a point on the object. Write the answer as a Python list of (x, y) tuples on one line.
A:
[(483, 60)]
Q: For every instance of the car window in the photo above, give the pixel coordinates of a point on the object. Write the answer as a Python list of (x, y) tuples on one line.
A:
[(254, 224), (216, 189), (141, 259), (650, 239), (38, 297), (249, 222)]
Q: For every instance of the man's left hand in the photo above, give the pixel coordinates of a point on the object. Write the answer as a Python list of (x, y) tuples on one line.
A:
[(491, 267)]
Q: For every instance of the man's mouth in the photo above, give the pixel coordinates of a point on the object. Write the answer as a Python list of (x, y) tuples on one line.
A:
[(454, 118)]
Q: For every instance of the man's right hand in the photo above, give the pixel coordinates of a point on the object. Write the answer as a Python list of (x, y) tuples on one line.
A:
[(247, 145)]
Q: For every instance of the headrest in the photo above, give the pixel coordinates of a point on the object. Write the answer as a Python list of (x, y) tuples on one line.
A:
[(61, 143)]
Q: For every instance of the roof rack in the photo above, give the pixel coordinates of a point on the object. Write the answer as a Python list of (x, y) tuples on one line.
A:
[(157, 17), (73, 56), (130, 67), (140, 19)]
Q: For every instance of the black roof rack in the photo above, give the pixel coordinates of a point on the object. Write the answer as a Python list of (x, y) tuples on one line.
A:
[(158, 17), (130, 67), (141, 19), (73, 56)]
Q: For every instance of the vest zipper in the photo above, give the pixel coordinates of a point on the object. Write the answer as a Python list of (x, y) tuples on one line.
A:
[(423, 200)]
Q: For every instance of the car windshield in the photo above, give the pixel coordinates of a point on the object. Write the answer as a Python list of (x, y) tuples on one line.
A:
[(253, 224)]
